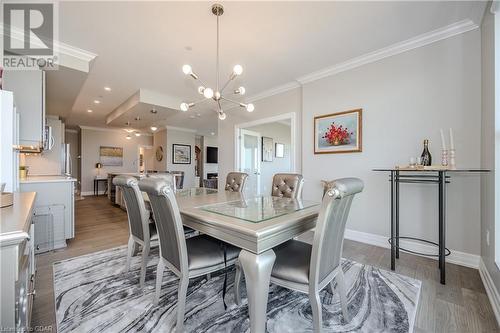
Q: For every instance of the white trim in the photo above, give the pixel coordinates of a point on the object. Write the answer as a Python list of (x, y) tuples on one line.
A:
[(294, 153), (456, 257), (394, 49), (181, 129), (91, 193), (70, 130), (275, 91), (495, 8), (491, 290)]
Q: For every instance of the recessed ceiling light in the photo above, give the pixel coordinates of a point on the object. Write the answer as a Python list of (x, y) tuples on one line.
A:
[(107, 88), (128, 137), (154, 128), (137, 134), (96, 101), (213, 133), (153, 111), (90, 111), (137, 118)]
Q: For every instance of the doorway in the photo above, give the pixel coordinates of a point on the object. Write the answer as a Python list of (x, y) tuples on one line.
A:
[(145, 159), (265, 147)]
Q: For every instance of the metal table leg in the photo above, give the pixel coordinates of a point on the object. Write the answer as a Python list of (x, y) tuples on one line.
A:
[(397, 214), (442, 225), (393, 220), (257, 269)]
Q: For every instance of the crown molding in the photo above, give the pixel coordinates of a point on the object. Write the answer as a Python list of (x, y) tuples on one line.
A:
[(394, 49), (70, 130), (275, 91), (180, 129)]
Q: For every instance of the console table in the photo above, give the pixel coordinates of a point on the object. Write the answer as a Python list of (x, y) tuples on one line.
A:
[(96, 184), (429, 175)]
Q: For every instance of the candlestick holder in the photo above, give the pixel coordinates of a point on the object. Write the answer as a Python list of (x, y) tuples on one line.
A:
[(444, 157), (452, 162)]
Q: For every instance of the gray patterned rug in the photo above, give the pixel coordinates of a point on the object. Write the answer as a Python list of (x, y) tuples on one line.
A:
[(94, 294)]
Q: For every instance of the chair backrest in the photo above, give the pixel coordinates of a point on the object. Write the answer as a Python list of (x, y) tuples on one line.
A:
[(235, 181), (288, 185), (165, 176), (330, 228), (138, 217), (168, 221)]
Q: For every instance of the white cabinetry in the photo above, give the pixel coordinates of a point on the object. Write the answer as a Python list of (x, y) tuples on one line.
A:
[(29, 97), (53, 216)]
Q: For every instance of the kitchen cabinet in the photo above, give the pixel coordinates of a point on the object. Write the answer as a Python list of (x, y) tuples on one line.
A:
[(17, 263), (54, 212), (29, 97)]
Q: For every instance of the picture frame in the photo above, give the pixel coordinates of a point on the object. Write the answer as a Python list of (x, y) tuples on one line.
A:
[(267, 149), (111, 156), (279, 150), (339, 132), (181, 154)]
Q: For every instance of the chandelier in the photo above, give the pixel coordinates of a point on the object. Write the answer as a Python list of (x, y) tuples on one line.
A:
[(217, 93)]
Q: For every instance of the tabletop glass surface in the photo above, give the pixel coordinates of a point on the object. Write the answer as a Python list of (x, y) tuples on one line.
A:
[(194, 191), (259, 209)]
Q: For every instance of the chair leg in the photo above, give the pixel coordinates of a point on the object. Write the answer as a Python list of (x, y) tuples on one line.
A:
[(343, 297), (316, 311), (181, 303), (237, 283), (145, 253), (159, 279), (130, 252)]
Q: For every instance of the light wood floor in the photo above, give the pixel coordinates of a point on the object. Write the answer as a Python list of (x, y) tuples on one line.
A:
[(460, 306)]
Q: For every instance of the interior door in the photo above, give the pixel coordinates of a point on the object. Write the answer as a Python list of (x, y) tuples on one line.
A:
[(250, 159)]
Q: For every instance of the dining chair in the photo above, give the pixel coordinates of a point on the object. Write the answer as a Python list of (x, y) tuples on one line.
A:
[(142, 232), (288, 185), (235, 181), (186, 258), (310, 268)]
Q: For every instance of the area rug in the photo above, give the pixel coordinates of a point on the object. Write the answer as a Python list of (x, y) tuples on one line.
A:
[(93, 293)]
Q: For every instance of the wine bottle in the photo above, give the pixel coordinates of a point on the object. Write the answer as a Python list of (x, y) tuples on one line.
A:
[(426, 155)]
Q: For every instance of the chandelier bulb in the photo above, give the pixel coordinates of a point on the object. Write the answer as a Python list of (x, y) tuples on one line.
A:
[(240, 91), (222, 115), (186, 69), (237, 70), (184, 107), (201, 89), (250, 107), (154, 128), (208, 93)]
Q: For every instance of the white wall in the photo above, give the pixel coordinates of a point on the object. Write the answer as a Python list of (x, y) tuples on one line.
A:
[(489, 145), (405, 99), (185, 138), (280, 133), (92, 140), (209, 141)]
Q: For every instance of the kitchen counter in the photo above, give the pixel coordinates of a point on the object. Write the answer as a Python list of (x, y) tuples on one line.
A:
[(15, 220), (46, 179)]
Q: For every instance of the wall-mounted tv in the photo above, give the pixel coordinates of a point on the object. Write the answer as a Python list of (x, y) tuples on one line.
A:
[(212, 154)]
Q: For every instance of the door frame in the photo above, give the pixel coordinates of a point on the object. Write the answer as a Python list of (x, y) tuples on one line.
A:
[(259, 154), (294, 147), (139, 157)]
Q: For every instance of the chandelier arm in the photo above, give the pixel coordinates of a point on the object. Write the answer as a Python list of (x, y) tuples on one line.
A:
[(232, 101), (220, 107), (231, 78), (217, 65)]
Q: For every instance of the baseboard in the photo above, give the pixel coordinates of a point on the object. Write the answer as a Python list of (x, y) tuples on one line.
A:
[(491, 289)]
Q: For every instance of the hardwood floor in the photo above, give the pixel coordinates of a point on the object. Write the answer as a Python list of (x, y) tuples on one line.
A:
[(460, 306)]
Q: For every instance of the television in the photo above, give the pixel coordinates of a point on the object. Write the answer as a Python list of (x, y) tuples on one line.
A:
[(212, 154)]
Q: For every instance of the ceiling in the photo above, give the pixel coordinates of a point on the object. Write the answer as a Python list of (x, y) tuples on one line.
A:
[(143, 45)]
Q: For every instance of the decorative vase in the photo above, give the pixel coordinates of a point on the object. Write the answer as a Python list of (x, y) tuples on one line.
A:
[(452, 162), (444, 157)]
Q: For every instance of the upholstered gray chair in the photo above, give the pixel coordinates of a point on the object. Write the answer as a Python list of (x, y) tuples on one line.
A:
[(288, 185), (142, 232), (235, 181), (310, 268), (186, 258)]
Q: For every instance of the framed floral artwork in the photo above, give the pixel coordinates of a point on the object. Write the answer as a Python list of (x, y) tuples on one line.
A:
[(338, 132)]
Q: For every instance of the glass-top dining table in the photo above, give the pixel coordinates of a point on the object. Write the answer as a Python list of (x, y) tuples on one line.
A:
[(254, 224)]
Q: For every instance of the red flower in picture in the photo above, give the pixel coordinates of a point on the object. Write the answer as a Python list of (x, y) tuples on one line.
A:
[(337, 135)]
